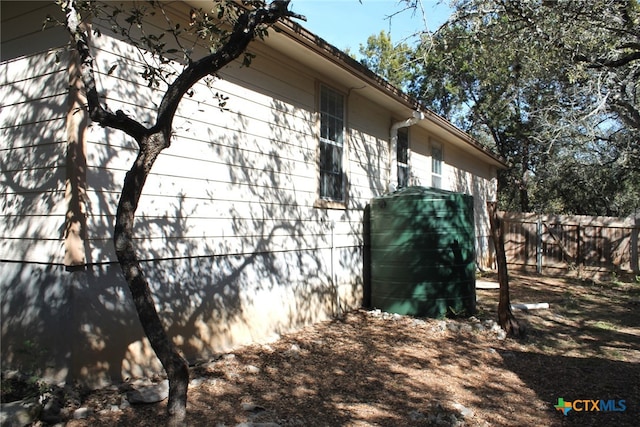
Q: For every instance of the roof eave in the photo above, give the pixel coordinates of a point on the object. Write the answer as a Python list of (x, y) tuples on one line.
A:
[(331, 53)]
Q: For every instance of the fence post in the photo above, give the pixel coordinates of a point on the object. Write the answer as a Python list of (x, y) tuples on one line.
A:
[(633, 246), (579, 247), (539, 245)]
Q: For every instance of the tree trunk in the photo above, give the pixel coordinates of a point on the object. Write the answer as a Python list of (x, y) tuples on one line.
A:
[(151, 142), (174, 364), (507, 320), (524, 181)]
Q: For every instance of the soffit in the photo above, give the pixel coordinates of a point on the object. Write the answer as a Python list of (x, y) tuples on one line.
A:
[(306, 48)]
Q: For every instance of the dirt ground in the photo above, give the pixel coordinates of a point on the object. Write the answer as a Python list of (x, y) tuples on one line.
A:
[(374, 369)]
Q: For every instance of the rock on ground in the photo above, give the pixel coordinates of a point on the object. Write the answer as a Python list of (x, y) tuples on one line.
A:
[(149, 394)]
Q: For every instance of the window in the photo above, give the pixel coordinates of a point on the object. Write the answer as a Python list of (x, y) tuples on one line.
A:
[(436, 165), (331, 145), (402, 156)]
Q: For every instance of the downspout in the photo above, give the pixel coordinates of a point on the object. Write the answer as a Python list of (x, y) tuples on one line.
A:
[(393, 147)]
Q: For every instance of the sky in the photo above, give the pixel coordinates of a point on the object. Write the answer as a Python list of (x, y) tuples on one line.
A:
[(347, 24)]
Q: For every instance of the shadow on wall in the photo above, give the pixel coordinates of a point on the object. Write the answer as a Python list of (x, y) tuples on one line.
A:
[(252, 258), (422, 252), (231, 243), (229, 261), (32, 219), (478, 185), (33, 158)]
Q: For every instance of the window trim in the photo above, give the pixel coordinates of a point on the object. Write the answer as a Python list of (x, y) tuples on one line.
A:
[(399, 164), (325, 202), (440, 147)]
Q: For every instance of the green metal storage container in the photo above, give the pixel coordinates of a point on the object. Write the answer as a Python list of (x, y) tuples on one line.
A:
[(422, 244)]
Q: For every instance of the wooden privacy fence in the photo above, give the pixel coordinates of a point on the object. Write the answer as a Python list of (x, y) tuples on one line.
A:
[(547, 242)]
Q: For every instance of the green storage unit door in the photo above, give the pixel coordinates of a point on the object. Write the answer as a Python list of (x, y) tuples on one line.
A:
[(423, 253)]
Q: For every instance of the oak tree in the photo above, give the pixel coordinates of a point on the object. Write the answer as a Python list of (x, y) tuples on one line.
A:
[(551, 86), (228, 28)]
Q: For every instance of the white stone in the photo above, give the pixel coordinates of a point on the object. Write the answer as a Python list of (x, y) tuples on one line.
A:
[(294, 348), (485, 284), (530, 306), (252, 407), (252, 369), (81, 413), (440, 326), (418, 322), (463, 410), (124, 403), (150, 394), (196, 382), (489, 323)]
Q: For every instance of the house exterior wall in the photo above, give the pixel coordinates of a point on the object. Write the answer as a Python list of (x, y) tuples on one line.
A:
[(461, 173), (232, 241), (35, 292), (33, 89)]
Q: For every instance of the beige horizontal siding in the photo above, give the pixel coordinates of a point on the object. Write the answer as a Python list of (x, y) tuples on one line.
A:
[(230, 179), (21, 29), (233, 245), (34, 249), (368, 151), (33, 90)]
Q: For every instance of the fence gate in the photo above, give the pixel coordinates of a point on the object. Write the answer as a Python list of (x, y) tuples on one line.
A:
[(546, 242)]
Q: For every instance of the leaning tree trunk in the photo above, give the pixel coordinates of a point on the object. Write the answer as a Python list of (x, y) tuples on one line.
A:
[(151, 141), (174, 364), (507, 320)]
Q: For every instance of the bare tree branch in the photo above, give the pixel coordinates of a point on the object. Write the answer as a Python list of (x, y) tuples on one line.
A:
[(118, 120)]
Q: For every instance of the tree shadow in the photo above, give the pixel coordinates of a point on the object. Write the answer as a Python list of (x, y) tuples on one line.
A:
[(231, 243), (33, 150), (423, 253), (475, 179), (587, 378), (585, 346), (291, 389), (374, 372)]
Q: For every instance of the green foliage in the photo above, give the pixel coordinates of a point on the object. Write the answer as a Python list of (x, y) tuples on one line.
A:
[(31, 355), (19, 387), (165, 39), (553, 88), (393, 62), (26, 383)]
